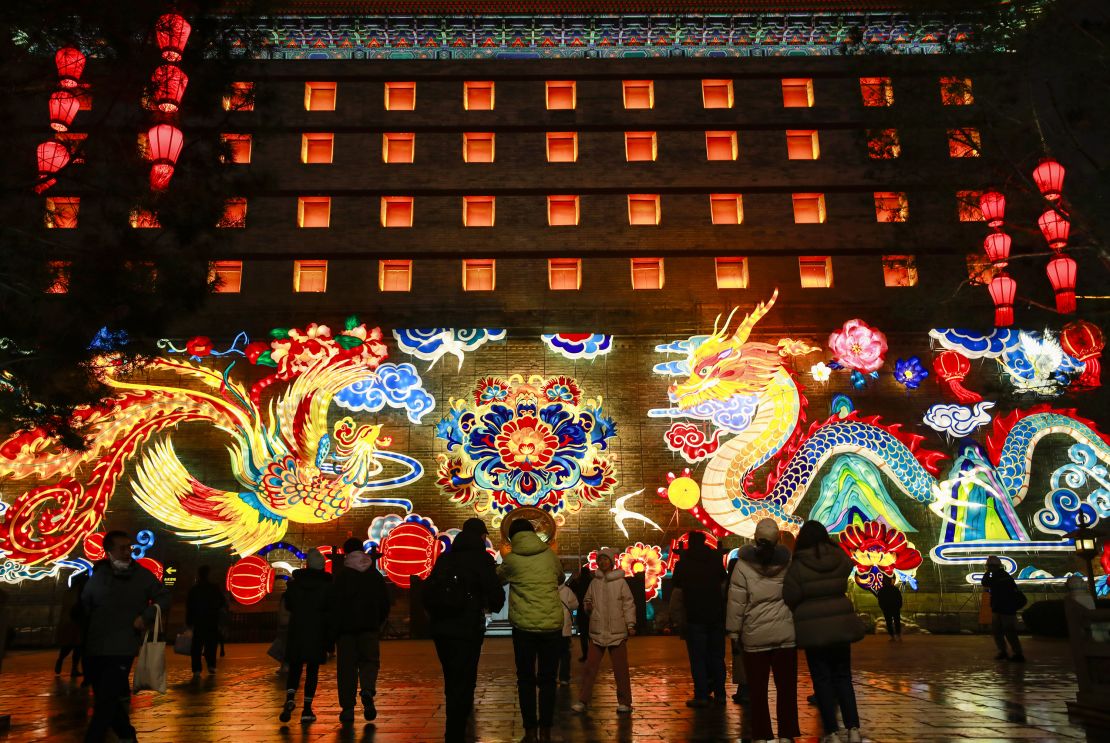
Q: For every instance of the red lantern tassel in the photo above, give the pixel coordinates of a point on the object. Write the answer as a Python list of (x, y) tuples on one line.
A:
[(1092, 373)]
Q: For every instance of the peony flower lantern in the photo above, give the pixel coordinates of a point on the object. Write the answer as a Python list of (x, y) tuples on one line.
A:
[(70, 63), (1055, 227), (1002, 289), (1084, 340), (165, 146), (1049, 177), (63, 108), (997, 247), (1061, 274), (169, 86), (172, 32), (859, 347), (993, 206)]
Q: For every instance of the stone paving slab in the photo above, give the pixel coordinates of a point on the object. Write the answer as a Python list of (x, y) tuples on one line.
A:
[(929, 688)]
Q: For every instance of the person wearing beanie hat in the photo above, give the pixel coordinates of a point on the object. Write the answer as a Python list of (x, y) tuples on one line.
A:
[(759, 617), (612, 613), (700, 576), (359, 608), (306, 599), (1006, 600)]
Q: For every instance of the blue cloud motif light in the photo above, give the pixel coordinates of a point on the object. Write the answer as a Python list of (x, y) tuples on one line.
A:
[(396, 385), (432, 344)]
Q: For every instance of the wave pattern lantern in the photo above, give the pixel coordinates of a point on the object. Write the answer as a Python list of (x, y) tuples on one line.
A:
[(432, 344), (879, 551), (576, 346), (1080, 486), (536, 443)]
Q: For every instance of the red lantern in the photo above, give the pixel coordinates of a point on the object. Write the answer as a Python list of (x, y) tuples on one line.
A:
[(1061, 274), (169, 86), (94, 546), (165, 145), (1049, 177), (52, 157), (997, 246), (70, 63), (1055, 227), (993, 206), (63, 107), (952, 368), (1084, 340), (172, 31), (153, 566), (408, 550), (1002, 289), (326, 550), (250, 580)]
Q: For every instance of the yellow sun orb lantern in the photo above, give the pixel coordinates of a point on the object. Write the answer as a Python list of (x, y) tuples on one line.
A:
[(684, 492)]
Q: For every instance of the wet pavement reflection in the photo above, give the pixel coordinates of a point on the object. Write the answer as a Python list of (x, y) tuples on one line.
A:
[(928, 688)]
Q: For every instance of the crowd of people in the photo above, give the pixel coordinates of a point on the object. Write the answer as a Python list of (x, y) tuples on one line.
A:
[(779, 595)]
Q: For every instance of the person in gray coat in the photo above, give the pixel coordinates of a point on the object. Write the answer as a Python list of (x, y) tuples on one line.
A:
[(119, 602), (825, 625)]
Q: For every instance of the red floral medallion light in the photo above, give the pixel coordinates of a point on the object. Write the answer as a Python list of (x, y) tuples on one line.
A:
[(878, 551)]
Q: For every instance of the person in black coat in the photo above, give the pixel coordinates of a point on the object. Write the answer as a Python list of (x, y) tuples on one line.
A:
[(358, 608), (204, 608), (306, 598), (1006, 600), (459, 631), (890, 602), (700, 574)]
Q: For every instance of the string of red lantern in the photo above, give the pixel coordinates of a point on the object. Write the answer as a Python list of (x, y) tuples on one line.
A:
[(1056, 229), (168, 82), (63, 106), (1002, 288)]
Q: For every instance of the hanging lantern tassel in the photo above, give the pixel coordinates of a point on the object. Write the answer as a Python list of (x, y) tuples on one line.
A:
[(1002, 289), (1084, 340), (1061, 274), (952, 368)]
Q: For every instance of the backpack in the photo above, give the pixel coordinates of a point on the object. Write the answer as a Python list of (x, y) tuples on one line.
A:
[(447, 592)]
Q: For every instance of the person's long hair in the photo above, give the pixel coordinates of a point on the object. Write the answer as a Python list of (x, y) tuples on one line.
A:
[(813, 534)]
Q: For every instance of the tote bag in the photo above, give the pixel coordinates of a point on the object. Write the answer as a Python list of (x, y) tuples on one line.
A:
[(183, 644), (150, 667)]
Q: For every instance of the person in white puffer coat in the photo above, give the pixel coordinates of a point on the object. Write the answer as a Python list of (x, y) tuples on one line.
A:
[(758, 615), (612, 621)]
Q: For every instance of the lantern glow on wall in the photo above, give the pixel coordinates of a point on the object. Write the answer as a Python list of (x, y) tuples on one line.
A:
[(172, 32), (165, 146)]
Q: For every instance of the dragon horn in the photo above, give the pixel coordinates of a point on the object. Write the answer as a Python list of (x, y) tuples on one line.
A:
[(724, 328), (761, 309)]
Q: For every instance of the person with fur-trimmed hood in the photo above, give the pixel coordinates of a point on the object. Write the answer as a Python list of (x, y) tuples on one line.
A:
[(757, 614), (612, 613), (306, 598)]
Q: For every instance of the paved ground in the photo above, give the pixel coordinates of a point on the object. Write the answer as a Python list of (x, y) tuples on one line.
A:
[(929, 688)]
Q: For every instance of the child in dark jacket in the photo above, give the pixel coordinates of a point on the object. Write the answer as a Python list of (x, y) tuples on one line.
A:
[(306, 599), (358, 609)]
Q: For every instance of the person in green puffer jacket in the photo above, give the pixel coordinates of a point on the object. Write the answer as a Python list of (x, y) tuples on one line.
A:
[(534, 573)]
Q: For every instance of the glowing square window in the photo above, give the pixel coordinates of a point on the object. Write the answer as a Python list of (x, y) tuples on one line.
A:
[(561, 95), (802, 144), (562, 147), (310, 276), (226, 277), (75, 143), (395, 275), (235, 214), (899, 270), (478, 211), (314, 211), (876, 91), (143, 219), (883, 144), (397, 211), (400, 96), (809, 208), (956, 91), (964, 142), (639, 94), (797, 92), (562, 211), (640, 146), (643, 209), (967, 206), (478, 147), (319, 96), (61, 212), (732, 273), (59, 277), (726, 208), (478, 96), (398, 147), (891, 206), (239, 97), (564, 273), (317, 149), (716, 93), (479, 275), (815, 272), (238, 148), (720, 146), (647, 273)]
